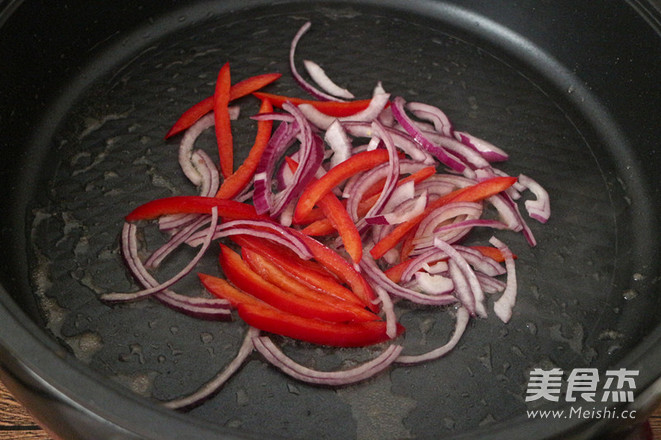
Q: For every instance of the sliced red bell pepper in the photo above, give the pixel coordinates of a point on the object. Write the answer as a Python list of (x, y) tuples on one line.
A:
[(491, 252), (223, 125), (273, 274), (243, 277), (321, 226), (229, 209), (337, 265), (339, 218), (331, 108), (395, 272), (302, 270), (474, 193), (355, 164), (316, 331), (224, 290), (238, 90), (241, 177)]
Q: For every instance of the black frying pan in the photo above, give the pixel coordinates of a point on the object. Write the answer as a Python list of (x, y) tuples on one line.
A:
[(570, 89)]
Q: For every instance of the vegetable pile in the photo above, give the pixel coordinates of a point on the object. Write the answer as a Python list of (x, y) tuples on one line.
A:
[(342, 209)]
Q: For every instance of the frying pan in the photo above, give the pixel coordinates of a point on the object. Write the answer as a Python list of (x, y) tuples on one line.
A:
[(569, 88)]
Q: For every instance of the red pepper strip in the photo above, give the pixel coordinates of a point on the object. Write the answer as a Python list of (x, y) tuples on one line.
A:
[(224, 290), (273, 274), (265, 317), (491, 252), (395, 272), (339, 218), (474, 193), (243, 277), (299, 269), (238, 90), (355, 164), (241, 177), (316, 331), (323, 227), (229, 209), (331, 108), (223, 125), (337, 265)]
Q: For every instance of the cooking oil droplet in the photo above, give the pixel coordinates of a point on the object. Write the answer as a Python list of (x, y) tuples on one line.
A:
[(613, 349), (449, 423), (629, 294), (532, 328)]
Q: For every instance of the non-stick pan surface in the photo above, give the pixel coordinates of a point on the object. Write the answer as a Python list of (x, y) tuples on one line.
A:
[(588, 293)]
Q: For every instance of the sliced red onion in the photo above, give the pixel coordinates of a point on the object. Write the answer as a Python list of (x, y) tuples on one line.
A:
[(434, 284), (402, 140), (307, 87), (275, 356), (187, 144), (453, 232), (539, 209), (369, 114), (467, 155), (462, 288), (490, 284), (269, 230), (468, 273), (462, 319), (509, 212), (388, 309), (489, 151), (439, 152), (401, 211), (319, 76), (480, 262), (390, 184), (273, 116), (355, 187), (432, 114), (208, 188), (282, 138), (337, 139), (115, 297), (428, 227), (214, 384), (204, 308), (311, 156), (376, 275), (504, 305), (175, 241)]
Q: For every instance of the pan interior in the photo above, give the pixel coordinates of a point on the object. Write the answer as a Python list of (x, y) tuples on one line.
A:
[(577, 289)]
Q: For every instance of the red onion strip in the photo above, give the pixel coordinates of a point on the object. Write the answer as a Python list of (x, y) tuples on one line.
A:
[(369, 114), (432, 114), (374, 273), (337, 139), (307, 87), (213, 385), (206, 308), (388, 309), (462, 318), (185, 271), (324, 82), (275, 356), (468, 272), (503, 306), (439, 152), (539, 209)]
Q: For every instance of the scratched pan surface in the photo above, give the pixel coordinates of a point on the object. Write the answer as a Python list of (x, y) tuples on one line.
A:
[(586, 292)]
